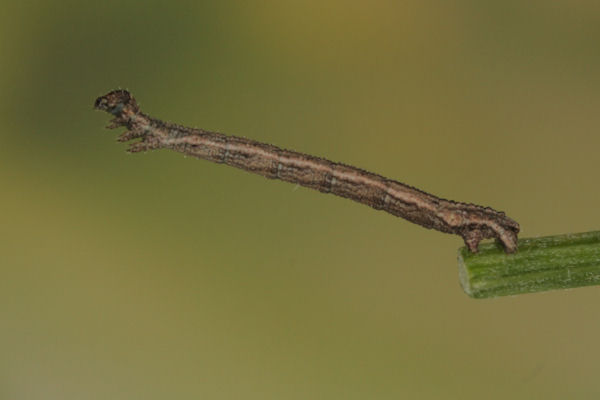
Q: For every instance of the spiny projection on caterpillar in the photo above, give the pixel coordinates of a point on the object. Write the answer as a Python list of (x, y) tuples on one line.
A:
[(471, 222)]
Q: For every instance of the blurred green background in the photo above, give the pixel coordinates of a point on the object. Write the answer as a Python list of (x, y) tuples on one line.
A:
[(153, 276)]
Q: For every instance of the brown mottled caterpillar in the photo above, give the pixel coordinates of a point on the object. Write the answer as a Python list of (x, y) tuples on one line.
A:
[(472, 222)]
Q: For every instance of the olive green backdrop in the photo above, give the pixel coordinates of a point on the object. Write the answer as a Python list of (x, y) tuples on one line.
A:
[(155, 276)]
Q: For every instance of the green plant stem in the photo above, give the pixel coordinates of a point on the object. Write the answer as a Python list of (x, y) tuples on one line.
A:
[(540, 264)]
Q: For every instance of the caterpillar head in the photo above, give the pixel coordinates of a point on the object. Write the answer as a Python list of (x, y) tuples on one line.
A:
[(118, 102)]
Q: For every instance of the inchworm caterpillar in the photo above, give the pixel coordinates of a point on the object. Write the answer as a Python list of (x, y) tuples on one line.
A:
[(472, 222)]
